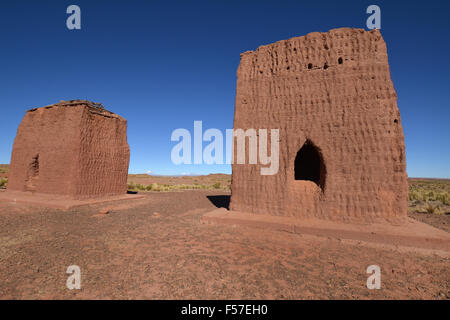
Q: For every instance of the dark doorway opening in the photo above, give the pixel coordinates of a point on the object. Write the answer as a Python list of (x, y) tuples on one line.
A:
[(33, 174), (309, 165)]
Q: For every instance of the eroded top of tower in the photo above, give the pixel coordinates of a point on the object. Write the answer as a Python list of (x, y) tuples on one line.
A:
[(93, 107)]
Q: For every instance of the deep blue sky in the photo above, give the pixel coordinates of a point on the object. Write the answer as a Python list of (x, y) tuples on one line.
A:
[(164, 64)]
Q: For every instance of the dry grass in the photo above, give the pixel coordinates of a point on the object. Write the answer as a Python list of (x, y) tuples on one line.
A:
[(3, 183), (144, 182), (430, 208), (429, 196), (155, 187)]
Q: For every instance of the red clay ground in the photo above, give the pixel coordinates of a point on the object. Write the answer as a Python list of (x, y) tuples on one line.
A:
[(133, 253)]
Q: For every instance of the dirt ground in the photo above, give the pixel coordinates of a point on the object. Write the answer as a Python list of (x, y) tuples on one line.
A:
[(157, 248), (439, 221)]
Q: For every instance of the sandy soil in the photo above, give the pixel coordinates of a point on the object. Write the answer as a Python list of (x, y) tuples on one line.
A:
[(440, 221), (156, 248)]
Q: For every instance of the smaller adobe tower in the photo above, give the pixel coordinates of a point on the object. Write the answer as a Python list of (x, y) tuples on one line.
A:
[(73, 148)]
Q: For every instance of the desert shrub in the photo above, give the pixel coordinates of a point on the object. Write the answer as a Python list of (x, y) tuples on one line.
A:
[(430, 208), (140, 187), (217, 185), (432, 190), (443, 198), (159, 187), (3, 182), (413, 195), (131, 186), (152, 187)]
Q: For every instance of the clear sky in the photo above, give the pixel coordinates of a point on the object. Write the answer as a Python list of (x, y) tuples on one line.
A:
[(164, 64)]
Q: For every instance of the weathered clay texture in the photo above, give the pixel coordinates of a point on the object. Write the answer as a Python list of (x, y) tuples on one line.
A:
[(74, 148), (330, 93)]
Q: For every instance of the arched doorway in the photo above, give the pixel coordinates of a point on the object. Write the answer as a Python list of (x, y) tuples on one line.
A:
[(309, 165)]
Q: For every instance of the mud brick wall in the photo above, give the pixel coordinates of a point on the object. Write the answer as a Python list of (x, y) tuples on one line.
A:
[(70, 148), (331, 93)]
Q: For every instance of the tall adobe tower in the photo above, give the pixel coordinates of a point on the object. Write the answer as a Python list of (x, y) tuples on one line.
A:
[(73, 148), (341, 147)]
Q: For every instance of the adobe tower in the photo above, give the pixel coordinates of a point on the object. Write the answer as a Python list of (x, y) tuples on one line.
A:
[(73, 148), (342, 152)]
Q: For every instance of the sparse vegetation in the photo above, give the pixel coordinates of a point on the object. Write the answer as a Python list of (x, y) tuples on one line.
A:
[(430, 208), (3, 182), (155, 187), (147, 183), (429, 196)]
